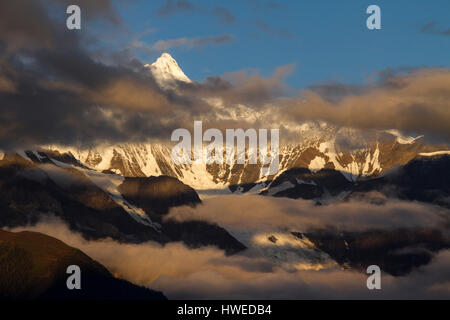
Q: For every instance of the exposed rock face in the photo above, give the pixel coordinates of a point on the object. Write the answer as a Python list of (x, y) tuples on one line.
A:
[(33, 266), (426, 179), (91, 203), (302, 183), (349, 152), (157, 194), (317, 146), (396, 252)]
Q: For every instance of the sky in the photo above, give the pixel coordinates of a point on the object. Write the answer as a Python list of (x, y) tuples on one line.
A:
[(328, 41), (283, 63), (90, 88)]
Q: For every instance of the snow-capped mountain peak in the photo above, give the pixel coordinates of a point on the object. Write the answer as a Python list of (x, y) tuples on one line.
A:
[(167, 71)]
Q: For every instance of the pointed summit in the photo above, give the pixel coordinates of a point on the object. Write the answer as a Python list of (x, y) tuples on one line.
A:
[(167, 72)]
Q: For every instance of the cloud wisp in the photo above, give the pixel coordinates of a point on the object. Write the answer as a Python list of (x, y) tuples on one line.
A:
[(280, 32), (191, 43), (223, 15), (171, 7), (206, 273), (433, 28), (417, 101), (258, 213), (56, 89)]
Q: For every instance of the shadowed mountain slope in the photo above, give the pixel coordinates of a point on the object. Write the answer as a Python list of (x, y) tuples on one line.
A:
[(33, 266), (91, 203)]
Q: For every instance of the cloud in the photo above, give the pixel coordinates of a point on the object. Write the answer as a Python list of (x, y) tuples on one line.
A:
[(56, 89), (136, 43), (333, 91), (223, 15), (427, 283), (148, 261), (206, 273), (175, 6), (415, 102), (279, 32), (65, 97), (432, 28), (192, 43), (269, 214), (7, 86), (47, 100), (243, 87), (27, 24)]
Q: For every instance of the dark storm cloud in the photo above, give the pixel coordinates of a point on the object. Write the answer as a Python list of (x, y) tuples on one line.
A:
[(62, 98), (279, 32), (95, 9), (433, 28), (52, 90), (224, 15), (174, 6), (55, 90), (26, 23)]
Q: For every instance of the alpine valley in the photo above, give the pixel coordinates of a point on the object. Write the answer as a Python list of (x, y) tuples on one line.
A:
[(125, 192)]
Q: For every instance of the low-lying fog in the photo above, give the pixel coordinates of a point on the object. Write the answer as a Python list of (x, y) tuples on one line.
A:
[(207, 273)]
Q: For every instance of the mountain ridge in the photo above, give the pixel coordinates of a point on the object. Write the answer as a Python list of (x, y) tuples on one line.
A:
[(33, 267), (92, 203), (356, 154)]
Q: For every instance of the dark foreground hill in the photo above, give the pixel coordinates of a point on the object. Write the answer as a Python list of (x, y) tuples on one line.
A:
[(33, 267)]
